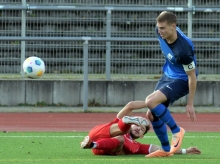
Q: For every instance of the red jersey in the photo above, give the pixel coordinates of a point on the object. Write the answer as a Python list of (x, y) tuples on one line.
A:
[(130, 145), (133, 147)]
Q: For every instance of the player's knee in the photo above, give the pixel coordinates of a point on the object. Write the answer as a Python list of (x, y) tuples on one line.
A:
[(120, 139), (149, 102)]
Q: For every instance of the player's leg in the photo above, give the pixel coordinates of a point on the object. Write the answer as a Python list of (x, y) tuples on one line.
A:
[(160, 129), (100, 140), (113, 145), (173, 91), (97, 133), (162, 117), (158, 125), (160, 111), (104, 146)]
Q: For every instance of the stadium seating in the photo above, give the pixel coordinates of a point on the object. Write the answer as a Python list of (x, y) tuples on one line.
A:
[(125, 57)]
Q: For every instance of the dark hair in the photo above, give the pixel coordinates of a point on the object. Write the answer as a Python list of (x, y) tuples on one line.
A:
[(147, 129), (168, 17)]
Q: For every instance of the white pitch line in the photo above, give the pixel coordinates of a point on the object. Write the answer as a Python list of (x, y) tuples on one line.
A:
[(84, 136)]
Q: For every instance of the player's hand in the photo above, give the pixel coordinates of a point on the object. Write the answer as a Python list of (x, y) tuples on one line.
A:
[(190, 111), (193, 150)]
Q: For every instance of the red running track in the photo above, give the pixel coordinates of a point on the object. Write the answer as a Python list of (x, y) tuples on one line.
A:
[(83, 122)]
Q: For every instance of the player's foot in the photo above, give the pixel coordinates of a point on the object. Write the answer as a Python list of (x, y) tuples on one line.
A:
[(135, 120), (159, 153), (177, 139), (85, 144)]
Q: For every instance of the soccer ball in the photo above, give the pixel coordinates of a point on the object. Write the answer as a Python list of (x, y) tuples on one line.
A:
[(34, 67)]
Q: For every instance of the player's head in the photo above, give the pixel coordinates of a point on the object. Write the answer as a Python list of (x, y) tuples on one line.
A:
[(167, 17), (137, 131), (166, 24)]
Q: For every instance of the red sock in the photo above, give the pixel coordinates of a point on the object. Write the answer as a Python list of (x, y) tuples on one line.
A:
[(107, 144), (123, 127)]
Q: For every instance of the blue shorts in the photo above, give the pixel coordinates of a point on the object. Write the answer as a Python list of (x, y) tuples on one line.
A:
[(173, 89)]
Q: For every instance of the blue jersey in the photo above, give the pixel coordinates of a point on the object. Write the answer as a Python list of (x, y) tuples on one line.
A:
[(177, 54)]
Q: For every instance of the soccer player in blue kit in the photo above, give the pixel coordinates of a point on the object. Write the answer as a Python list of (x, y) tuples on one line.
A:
[(179, 79)]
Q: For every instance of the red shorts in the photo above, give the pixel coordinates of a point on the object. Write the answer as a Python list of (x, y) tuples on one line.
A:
[(100, 132)]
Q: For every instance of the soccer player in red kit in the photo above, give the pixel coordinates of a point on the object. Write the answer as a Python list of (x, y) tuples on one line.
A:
[(119, 136)]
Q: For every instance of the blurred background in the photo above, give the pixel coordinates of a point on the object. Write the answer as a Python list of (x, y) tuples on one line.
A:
[(107, 60), (127, 59)]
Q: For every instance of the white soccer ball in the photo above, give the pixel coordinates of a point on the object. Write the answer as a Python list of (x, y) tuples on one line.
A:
[(33, 67)]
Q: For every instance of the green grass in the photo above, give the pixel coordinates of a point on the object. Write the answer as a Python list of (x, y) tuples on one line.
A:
[(63, 148)]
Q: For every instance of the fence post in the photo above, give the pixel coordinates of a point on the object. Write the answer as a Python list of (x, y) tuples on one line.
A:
[(190, 19), (108, 46), (23, 34), (85, 75)]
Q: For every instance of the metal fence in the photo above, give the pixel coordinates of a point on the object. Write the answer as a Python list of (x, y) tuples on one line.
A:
[(107, 58)]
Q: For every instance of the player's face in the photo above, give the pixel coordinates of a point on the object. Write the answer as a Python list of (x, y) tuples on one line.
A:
[(137, 131), (165, 30)]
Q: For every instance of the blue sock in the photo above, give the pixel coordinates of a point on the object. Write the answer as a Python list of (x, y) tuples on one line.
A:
[(161, 131), (164, 114)]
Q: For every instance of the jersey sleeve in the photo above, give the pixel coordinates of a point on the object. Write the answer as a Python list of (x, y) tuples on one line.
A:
[(143, 149), (185, 58), (186, 54)]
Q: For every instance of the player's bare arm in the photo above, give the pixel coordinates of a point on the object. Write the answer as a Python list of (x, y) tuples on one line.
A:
[(190, 150), (127, 110), (192, 89)]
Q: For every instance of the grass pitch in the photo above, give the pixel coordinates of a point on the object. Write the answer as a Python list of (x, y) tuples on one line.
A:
[(63, 148)]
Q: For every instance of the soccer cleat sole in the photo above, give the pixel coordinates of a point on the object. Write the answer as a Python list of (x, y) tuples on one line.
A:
[(135, 120), (159, 153), (85, 143)]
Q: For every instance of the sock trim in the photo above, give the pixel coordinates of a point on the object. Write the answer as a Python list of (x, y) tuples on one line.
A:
[(158, 126), (173, 127), (164, 112)]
